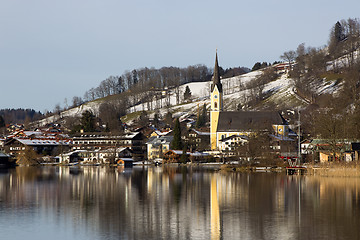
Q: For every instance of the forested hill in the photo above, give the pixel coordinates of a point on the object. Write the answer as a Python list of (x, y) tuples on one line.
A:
[(20, 115)]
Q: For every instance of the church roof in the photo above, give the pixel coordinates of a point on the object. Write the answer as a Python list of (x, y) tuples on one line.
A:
[(248, 121), (216, 76)]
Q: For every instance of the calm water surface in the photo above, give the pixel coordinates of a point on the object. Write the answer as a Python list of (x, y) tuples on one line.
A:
[(174, 203)]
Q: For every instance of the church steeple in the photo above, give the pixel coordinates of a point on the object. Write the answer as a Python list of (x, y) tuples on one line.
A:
[(216, 76), (216, 104)]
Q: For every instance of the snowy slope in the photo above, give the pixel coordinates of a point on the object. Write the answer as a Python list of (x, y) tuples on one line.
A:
[(235, 93), (280, 92), (73, 112)]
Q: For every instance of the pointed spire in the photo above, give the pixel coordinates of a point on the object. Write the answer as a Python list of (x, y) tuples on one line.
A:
[(216, 76)]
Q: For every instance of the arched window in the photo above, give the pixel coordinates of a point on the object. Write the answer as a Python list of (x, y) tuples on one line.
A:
[(215, 104)]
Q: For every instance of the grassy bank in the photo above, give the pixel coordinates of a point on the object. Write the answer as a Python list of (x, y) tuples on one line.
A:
[(335, 170), (322, 170)]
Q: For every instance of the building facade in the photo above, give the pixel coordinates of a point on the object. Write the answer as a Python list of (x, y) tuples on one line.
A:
[(157, 146)]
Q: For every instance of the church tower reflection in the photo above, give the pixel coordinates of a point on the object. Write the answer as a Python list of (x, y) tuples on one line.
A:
[(214, 209)]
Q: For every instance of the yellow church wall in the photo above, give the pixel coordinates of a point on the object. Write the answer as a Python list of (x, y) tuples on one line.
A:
[(281, 129), (217, 100), (214, 118), (216, 107)]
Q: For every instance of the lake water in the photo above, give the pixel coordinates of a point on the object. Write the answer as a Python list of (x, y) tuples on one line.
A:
[(174, 203)]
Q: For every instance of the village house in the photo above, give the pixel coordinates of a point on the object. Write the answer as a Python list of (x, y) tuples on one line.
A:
[(13, 128), (42, 142), (96, 156), (283, 146), (174, 156), (70, 157), (230, 144), (159, 133), (157, 146), (281, 68), (326, 150), (197, 140), (97, 141), (41, 146), (146, 131), (38, 133)]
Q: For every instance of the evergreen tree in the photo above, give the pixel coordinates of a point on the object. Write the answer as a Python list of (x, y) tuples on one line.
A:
[(187, 93), (338, 32), (88, 121), (221, 71), (135, 76), (2, 122), (120, 87), (256, 66), (184, 157), (202, 118), (156, 121), (168, 118), (176, 143), (204, 114), (264, 65)]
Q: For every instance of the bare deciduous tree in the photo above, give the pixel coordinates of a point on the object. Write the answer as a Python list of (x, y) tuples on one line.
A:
[(289, 56)]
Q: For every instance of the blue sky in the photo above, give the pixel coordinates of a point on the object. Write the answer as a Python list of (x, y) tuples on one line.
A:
[(52, 50)]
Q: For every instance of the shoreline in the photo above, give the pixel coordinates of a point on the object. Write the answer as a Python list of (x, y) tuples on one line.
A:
[(324, 170)]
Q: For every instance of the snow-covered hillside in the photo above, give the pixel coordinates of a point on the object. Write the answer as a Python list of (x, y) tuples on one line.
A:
[(280, 92), (73, 112)]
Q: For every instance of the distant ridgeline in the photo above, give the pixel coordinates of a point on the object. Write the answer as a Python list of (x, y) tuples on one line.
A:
[(20, 115)]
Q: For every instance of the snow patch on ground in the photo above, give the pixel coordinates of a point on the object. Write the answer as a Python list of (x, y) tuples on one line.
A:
[(330, 87)]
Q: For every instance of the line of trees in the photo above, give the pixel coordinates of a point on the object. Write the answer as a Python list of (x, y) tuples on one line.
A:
[(344, 42), (148, 78), (20, 115)]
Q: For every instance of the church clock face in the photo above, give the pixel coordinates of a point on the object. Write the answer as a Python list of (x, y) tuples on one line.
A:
[(215, 96)]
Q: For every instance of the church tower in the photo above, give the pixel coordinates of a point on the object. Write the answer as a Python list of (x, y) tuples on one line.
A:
[(216, 97)]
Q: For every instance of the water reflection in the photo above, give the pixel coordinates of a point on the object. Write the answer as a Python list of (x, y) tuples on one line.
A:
[(214, 209), (174, 203)]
